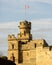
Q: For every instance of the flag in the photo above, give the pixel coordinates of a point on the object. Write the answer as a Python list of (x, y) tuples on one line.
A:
[(26, 6)]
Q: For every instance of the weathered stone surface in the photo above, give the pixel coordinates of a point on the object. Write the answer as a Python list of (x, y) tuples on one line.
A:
[(25, 51)]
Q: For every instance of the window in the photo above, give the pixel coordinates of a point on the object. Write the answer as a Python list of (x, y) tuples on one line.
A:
[(50, 48), (13, 58), (40, 43), (24, 33), (35, 45), (24, 23), (12, 46), (20, 34), (20, 23)]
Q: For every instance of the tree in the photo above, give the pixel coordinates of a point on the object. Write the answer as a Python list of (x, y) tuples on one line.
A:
[(6, 62)]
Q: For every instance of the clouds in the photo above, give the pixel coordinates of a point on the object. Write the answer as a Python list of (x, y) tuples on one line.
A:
[(44, 1), (41, 29), (42, 23), (5, 29), (39, 13), (8, 25), (41, 26), (13, 10)]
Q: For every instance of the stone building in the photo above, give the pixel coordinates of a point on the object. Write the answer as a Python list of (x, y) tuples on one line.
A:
[(24, 51)]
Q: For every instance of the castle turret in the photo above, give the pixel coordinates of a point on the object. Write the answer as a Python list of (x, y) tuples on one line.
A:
[(25, 31), (25, 51)]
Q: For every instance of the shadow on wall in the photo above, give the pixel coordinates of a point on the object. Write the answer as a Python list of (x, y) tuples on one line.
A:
[(6, 62)]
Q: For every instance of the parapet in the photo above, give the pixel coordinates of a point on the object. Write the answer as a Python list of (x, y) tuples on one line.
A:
[(11, 37), (25, 24), (46, 48)]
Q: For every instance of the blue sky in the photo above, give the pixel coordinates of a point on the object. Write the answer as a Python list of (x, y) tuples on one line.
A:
[(13, 11)]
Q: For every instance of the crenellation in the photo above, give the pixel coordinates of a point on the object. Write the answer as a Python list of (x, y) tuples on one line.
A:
[(11, 37), (23, 50), (46, 49)]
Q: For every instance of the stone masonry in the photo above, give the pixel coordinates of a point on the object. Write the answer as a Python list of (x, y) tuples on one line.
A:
[(22, 50)]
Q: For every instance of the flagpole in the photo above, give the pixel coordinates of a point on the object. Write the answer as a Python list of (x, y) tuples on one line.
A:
[(26, 7), (25, 12)]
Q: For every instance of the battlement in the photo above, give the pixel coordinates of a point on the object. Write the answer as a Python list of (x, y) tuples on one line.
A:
[(23, 50), (25, 24), (46, 48), (11, 37)]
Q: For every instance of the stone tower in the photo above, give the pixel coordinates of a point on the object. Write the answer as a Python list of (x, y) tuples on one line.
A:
[(22, 50), (15, 44), (25, 31)]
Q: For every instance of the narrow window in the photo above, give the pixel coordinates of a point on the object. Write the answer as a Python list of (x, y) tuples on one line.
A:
[(35, 45), (24, 23), (12, 46), (13, 58), (50, 47), (24, 33), (20, 23), (40, 43), (20, 34)]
